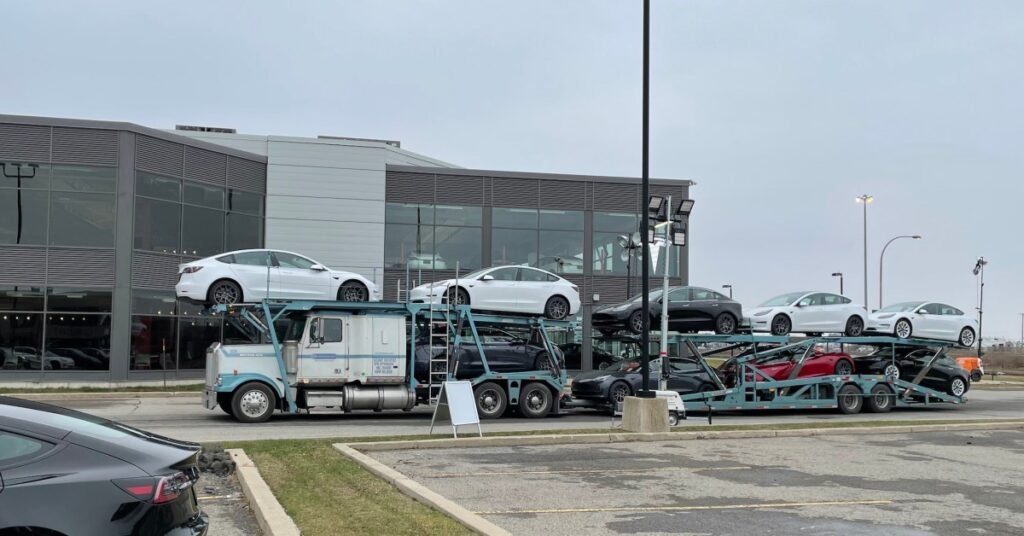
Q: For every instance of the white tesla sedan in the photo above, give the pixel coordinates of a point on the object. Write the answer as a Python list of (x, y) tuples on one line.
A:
[(926, 320), (809, 312), (243, 277), (513, 289)]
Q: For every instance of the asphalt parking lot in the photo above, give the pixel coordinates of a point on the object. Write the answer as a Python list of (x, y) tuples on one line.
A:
[(914, 484)]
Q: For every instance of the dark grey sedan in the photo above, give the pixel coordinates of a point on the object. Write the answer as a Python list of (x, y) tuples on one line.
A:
[(623, 378), (690, 309)]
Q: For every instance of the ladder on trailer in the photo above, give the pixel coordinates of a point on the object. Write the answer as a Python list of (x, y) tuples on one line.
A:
[(444, 340)]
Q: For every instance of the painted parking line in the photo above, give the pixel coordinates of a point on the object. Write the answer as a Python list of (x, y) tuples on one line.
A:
[(583, 471), (752, 506)]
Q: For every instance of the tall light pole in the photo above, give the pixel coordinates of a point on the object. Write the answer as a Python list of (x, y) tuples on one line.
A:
[(882, 257), (840, 276), (865, 200), (730, 290), (979, 270), (1021, 329), (645, 194)]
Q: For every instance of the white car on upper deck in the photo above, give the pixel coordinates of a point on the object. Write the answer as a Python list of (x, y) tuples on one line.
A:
[(244, 276), (809, 312), (511, 289)]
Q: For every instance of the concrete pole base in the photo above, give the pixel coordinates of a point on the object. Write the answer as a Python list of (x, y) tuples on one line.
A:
[(645, 415)]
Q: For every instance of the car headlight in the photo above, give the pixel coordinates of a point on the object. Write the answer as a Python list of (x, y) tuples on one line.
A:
[(762, 313), (885, 316), (599, 378)]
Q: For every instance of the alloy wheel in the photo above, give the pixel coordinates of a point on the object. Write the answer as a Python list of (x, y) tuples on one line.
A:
[(957, 387), (891, 372), (844, 368), (225, 294), (967, 337), (726, 324), (557, 308), (780, 325), (353, 293), (903, 329), (619, 392)]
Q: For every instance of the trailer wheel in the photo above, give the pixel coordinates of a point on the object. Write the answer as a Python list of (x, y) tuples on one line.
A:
[(850, 399), (253, 402), (957, 386), (881, 399), (535, 400), (491, 400)]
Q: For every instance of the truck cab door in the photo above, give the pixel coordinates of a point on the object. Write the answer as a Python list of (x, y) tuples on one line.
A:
[(325, 354)]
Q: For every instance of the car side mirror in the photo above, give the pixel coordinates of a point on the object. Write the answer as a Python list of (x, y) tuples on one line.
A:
[(922, 312), (318, 268), (487, 277)]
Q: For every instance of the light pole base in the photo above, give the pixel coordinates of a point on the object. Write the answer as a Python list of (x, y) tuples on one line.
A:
[(645, 415)]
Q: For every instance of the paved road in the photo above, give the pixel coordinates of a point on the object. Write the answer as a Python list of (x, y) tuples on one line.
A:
[(185, 418), (904, 485)]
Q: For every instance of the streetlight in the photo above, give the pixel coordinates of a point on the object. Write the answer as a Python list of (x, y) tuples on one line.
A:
[(1021, 329), (865, 200), (979, 270), (730, 290), (21, 171), (675, 234), (645, 193), (882, 257), (840, 276)]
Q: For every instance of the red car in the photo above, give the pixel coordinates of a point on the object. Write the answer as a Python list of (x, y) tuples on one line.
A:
[(816, 364)]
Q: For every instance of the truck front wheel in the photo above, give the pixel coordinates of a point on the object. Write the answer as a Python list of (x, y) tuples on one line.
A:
[(253, 402)]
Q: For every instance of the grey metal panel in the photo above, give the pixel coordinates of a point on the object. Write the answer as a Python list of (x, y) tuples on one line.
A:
[(124, 239), (528, 175), (29, 143), (206, 166), (159, 156), (516, 192), (459, 190), (563, 194), (85, 146), (79, 267), (247, 175), (488, 191), (588, 197), (612, 289), (21, 265), (409, 188), (153, 270), (616, 197)]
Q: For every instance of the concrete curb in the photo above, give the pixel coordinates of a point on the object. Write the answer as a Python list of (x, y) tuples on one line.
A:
[(270, 515), (515, 441), (420, 493), (105, 396)]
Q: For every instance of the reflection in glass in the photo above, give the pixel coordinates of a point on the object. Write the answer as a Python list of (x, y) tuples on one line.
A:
[(156, 186), (409, 213), (456, 215), (570, 220), (153, 343), (249, 203), (84, 178), (513, 246), (21, 298), (610, 257), (79, 300), (82, 219), (403, 244), (21, 341), (457, 246), (202, 195), (39, 178), (244, 232), (153, 302), (23, 217), (196, 336), (157, 225), (77, 342), (616, 222), (202, 231), (514, 218), (561, 252)]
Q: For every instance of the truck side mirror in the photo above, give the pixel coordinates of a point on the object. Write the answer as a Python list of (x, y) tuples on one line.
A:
[(314, 331)]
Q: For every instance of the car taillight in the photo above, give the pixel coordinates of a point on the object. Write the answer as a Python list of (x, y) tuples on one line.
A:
[(156, 490), (191, 269)]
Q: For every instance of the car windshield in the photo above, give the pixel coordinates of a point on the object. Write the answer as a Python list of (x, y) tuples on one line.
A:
[(652, 296), (900, 307), (785, 299), (476, 274)]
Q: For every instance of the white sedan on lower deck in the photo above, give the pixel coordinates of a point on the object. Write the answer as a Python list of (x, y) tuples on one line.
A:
[(513, 289), (254, 274), (926, 320)]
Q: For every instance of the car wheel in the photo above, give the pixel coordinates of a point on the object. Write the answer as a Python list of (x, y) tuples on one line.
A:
[(843, 367), (253, 402), (636, 322), (881, 399), (541, 362), (557, 308), (618, 392), (891, 372), (903, 329), (967, 337), (850, 399), (673, 418), (725, 324), (491, 400), (535, 400), (602, 365), (975, 375), (854, 326), (957, 386), (781, 325), (461, 297), (225, 293), (353, 291)]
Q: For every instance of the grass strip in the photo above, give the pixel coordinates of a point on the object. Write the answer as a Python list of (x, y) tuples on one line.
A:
[(189, 387)]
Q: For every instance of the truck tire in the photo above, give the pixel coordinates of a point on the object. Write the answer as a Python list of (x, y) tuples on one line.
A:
[(253, 402), (850, 400), (881, 399), (976, 375), (535, 400), (491, 400)]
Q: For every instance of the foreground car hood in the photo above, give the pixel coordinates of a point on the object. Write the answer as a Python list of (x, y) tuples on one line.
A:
[(762, 311)]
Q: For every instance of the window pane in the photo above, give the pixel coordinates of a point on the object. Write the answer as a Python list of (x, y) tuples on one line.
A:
[(409, 213), (79, 300), (570, 220), (78, 219), (457, 245), (157, 224), (207, 196), (153, 343), (244, 232), (202, 231), (33, 176), (77, 342), (453, 215), (288, 260), (21, 337), (156, 186), (254, 258), (609, 256), (515, 218), (249, 203), (616, 222), (13, 447), (561, 252), (153, 302), (527, 274), (332, 330), (504, 274), (402, 243), (84, 178), (197, 334), (21, 298), (513, 246), (659, 268), (24, 223)]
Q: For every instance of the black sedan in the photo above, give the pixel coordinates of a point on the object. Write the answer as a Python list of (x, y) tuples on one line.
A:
[(505, 352), (573, 353), (690, 309), (623, 378), (65, 472), (945, 375)]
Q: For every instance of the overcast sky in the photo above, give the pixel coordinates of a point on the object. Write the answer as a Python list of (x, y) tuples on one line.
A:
[(782, 111)]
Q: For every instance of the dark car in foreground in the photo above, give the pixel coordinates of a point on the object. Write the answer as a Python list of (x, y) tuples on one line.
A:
[(506, 352), (906, 363), (573, 353), (623, 379), (690, 309), (66, 473)]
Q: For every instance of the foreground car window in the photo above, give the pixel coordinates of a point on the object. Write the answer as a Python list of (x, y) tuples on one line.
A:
[(15, 447)]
